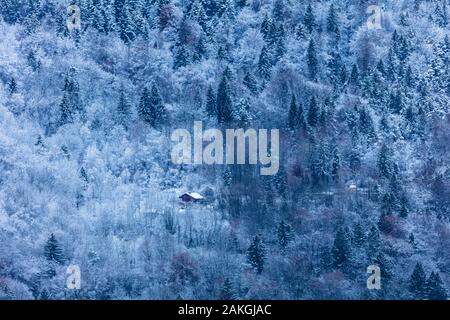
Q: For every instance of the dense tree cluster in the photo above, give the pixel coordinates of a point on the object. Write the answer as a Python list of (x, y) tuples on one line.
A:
[(87, 179)]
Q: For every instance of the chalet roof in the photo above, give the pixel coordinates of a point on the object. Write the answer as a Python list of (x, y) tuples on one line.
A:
[(351, 184), (193, 195)]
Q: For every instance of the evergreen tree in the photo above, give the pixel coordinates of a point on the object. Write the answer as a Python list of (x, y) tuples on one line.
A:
[(388, 207), (12, 86), (409, 77), (84, 176), (335, 164), (445, 45), (394, 42), (10, 10), (267, 28), (353, 124), (31, 20), (300, 32), (410, 117), (385, 265), (396, 102), (256, 254), (224, 102), (264, 64), (117, 9), (211, 105), (126, 25), (34, 63), (151, 107), (412, 240), (144, 107), (445, 18), (386, 166), (403, 49), (223, 52), (311, 60), (280, 48), (227, 292), (391, 69), (435, 287), (354, 76), (109, 24), (284, 234), (227, 176), (334, 67), (354, 159), (228, 74), (45, 295), (313, 113), (309, 20), (164, 12), (418, 282), (241, 113), (323, 119), (280, 182), (301, 121), (319, 165), (437, 74), (226, 9), (200, 50), (71, 103), (332, 21), (359, 236), (343, 76), (366, 126), (66, 111), (53, 251), (250, 82), (374, 244), (98, 19), (293, 114), (241, 3), (341, 248), (197, 13), (158, 107), (380, 68), (440, 14), (404, 20), (123, 112), (278, 11), (180, 58), (403, 206), (184, 32)]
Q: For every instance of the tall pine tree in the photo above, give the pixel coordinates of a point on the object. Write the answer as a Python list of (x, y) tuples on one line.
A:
[(418, 282), (312, 61), (224, 102), (53, 251), (256, 254), (151, 108), (341, 248), (309, 19)]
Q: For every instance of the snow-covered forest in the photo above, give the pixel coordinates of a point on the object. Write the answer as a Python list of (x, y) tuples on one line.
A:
[(86, 176)]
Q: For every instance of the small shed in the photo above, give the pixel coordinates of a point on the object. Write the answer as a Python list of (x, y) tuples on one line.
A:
[(191, 197), (351, 186)]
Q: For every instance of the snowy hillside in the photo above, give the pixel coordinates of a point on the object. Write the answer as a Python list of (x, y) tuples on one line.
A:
[(86, 124)]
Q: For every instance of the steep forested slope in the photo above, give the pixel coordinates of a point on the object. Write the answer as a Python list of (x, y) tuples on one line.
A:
[(86, 175)]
